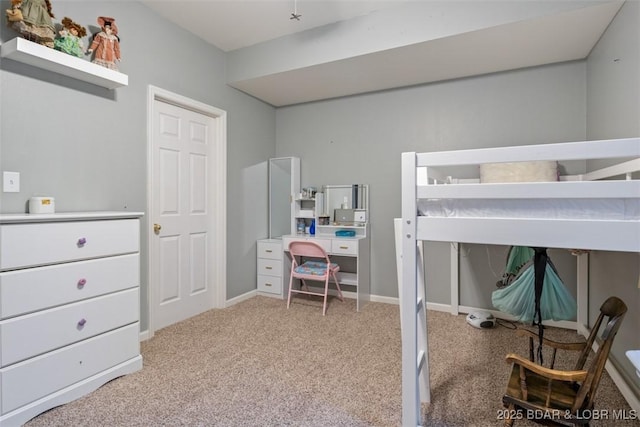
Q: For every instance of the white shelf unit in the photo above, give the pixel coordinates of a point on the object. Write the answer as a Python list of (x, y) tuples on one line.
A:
[(28, 52), (307, 209), (360, 230)]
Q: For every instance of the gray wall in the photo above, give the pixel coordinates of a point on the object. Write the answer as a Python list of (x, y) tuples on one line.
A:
[(87, 146), (360, 139), (613, 111)]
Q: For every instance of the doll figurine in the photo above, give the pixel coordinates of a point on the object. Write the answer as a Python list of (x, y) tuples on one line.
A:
[(106, 44), (14, 14), (70, 40), (36, 24)]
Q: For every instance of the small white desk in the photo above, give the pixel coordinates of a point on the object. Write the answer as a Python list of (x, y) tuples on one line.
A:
[(353, 254)]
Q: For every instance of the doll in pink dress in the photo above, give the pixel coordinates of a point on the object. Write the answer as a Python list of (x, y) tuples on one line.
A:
[(106, 44)]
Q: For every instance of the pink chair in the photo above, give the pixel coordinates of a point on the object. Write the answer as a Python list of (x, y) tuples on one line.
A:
[(319, 268)]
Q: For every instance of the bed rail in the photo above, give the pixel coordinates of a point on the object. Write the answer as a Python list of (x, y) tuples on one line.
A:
[(426, 176)]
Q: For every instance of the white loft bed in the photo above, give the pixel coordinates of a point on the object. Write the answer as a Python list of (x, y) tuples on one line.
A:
[(599, 210)]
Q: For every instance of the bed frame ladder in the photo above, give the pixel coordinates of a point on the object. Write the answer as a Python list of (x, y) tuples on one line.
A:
[(421, 326), (422, 392), (411, 280)]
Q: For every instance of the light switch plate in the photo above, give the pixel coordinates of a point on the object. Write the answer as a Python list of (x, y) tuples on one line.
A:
[(11, 182)]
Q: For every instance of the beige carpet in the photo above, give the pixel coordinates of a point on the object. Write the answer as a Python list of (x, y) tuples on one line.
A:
[(259, 364)]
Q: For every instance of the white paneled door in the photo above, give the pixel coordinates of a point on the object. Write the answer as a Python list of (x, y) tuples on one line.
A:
[(183, 147)]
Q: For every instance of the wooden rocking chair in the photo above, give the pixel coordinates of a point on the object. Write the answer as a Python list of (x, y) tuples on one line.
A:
[(555, 397)]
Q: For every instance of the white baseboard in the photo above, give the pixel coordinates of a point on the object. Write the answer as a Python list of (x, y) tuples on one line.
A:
[(439, 307), (145, 335), (384, 300), (240, 298), (500, 315), (632, 399), (396, 301), (626, 391)]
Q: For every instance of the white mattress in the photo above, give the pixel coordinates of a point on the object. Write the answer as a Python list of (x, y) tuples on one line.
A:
[(605, 209)]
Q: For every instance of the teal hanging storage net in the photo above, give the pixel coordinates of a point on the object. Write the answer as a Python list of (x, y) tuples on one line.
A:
[(532, 291), (518, 298), (517, 258)]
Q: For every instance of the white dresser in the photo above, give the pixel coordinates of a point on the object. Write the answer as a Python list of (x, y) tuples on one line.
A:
[(270, 267), (69, 307)]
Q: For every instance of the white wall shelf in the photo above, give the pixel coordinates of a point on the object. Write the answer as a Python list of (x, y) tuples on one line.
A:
[(25, 51)]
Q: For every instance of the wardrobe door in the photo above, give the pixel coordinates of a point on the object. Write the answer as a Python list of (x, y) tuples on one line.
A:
[(284, 184)]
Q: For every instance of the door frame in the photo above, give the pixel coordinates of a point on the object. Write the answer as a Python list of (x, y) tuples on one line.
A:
[(218, 182)]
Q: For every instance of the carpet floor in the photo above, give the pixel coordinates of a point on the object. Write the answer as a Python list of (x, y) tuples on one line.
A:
[(257, 363)]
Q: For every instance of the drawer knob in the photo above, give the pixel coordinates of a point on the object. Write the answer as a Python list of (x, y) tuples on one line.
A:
[(269, 268), (268, 251), (81, 322), (268, 284), (82, 241), (81, 283)]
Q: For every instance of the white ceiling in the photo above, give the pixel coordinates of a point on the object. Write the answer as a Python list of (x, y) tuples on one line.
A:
[(232, 25)]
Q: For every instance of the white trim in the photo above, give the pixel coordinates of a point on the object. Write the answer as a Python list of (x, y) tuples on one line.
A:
[(565, 324), (445, 308), (614, 373), (218, 218), (620, 382), (241, 298), (384, 300)]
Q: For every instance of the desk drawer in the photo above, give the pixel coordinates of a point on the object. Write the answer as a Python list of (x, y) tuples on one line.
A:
[(33, 379), (33, 334), (270, 267), (344, 247), (34, 244), (325, 243), (269, 284), (32, 289), (269, 250)]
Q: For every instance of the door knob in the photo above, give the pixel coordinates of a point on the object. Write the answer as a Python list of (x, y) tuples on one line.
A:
[(157, 228)]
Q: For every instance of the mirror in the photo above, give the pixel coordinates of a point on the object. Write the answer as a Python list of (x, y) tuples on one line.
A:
[(347, 204), (282, 176)]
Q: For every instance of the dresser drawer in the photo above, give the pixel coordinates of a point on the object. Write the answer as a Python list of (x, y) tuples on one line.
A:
[(271, 250), (270, 267), (344, 247), (33, 334), (35, 378), (269, 284), (28, 290), (34, 244)]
